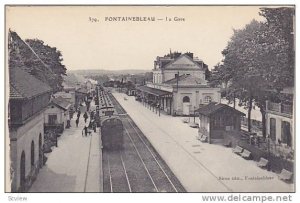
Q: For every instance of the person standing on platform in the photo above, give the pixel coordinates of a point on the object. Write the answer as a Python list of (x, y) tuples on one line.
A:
[(85, 116), (77, 121), (94, 126), (85, 130), (78, 113)]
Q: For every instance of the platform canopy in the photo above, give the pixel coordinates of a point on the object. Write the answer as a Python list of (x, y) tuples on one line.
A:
[(155, 92)]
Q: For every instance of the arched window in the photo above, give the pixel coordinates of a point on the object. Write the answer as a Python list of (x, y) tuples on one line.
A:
[(32, 153), (207, 99), (186, 99)]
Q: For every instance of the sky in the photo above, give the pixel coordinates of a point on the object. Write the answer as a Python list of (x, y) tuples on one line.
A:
[(117, 45)]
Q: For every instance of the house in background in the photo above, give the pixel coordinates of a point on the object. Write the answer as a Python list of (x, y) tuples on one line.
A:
[(57, 114), (67, 95), (28, 99), (179, 85), (279, 119), (81, 95), (215, 119)]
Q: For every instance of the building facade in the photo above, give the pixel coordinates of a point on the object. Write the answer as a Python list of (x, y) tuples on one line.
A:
[(57, 114), (179, 85), (28, 99), (279, 120), (215, 119)]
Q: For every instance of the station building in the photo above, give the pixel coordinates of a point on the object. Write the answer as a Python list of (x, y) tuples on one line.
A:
[(28, 99), (216, 119), (57, 114), (179, 85)]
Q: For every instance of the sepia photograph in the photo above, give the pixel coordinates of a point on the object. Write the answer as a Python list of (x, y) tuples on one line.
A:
[(150, 99)]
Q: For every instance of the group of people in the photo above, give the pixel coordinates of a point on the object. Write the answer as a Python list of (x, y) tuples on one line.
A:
[(92, 123)]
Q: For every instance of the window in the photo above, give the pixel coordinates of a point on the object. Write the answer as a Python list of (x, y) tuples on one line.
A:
[(52, 119), (32, 153), (186, 99), (207, 99), (286, 133), (273, 129)]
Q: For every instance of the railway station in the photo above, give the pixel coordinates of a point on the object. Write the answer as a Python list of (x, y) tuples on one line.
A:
[(125, 115), (179, 85)]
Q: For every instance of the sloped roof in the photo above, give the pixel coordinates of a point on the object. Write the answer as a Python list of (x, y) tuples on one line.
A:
[(21, 53), (156, 92), (187, 80), (82, 90), (61, 102), (172, 64), (25, 86), (214, 107)]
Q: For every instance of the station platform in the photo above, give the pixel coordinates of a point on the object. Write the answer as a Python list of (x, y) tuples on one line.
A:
[(75, 165), (200, 167)]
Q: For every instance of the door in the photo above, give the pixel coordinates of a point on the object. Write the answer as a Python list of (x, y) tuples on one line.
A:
[(22, 172), (40, 151), (286, 133), (273, 129), (186, 105)]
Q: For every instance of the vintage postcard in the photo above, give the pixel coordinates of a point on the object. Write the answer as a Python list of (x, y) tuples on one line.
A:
[(150, 99)]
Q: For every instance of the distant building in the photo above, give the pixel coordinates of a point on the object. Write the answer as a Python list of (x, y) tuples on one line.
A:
[(217, 118), (28, 100), (90, 85), (57, 114), (179, 85), (81, 95), (68, 95), (279, 119)]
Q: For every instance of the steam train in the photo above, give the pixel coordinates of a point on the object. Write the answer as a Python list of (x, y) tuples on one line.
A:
[(111, 125)]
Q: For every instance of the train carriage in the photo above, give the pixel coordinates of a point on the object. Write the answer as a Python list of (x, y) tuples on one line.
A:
[(111, 125), (112, 133)]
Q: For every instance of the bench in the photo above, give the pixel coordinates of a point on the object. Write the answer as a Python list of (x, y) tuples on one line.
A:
[(285, 175), (246, 154), (262, 162), (237, 150), (203, 138), (227, 143), (185, 120)]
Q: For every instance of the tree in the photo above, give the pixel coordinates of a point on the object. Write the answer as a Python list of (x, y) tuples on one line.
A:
[(259, 59), (51, 57), (39, 60)]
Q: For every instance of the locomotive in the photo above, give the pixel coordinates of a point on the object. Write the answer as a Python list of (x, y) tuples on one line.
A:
[(111, 125)]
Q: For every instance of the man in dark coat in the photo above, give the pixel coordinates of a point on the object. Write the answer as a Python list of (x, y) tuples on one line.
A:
[(85, 116), (85, 129), (77, 121)]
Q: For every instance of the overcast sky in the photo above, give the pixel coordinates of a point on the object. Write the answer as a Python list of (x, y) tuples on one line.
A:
[(130, 44)]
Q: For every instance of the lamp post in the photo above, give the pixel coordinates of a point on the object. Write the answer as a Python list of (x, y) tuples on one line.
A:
[(194, 113)]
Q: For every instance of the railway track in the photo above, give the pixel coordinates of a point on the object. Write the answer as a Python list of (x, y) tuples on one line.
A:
[(137, 167)]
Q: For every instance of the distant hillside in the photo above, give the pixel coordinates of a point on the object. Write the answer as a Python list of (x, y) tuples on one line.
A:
[(71, 79), (88, 72)]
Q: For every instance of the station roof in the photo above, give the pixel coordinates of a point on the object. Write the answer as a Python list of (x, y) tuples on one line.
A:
[(25, 86), (153, 91), (61, 102), (214, 107), (186, 80)]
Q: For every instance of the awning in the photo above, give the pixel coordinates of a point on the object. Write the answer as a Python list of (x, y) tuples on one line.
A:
[(155, 92)]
